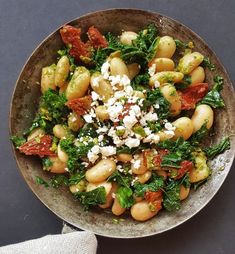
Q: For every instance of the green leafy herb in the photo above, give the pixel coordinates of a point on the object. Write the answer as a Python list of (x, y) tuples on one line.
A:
[(213, 97), (179, 150), (46, 163), (207, 63), (195, 186), (183, 45), (187, 80), (52, 111), (75, 153), (59, 180), (91, 198), (155, 184), (125, 197), (76, 178), (171, 196), (199, 135), (154, 126), (155, 97), (141, 82), (171, 160), (121, 179), (41, 181), (142, 50), (219, 148), (17, 141), (88, 130)]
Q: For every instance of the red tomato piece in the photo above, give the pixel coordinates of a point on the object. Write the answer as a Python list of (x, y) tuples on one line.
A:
[(192, 95), (185, 166), (96, 38), (38, 146), (154, 198), (80, 105), (72, 36), (69, 34), (157, 160)]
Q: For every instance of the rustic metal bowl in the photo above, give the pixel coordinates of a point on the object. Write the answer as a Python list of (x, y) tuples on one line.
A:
[(60, 201)]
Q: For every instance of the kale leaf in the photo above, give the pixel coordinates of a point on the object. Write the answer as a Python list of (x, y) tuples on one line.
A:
[(41, 181), (125, 196), (121, 179), (91, 198), (59, 180), (141, 82), (171, 196), (207, 63), (17, 141), (155, 97), (187, 80), (219, 148), (156, 183), (213, 97), (199, 135)]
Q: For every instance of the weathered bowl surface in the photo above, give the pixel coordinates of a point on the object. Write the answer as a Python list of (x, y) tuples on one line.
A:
[(60, 201)]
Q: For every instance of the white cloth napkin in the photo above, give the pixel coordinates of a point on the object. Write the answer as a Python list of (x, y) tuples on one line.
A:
[(78, 242)]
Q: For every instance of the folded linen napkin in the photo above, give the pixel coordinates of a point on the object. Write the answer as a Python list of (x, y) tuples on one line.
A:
[(76, 242)]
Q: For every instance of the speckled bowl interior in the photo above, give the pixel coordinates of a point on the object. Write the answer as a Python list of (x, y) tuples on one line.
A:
[(60, 201)]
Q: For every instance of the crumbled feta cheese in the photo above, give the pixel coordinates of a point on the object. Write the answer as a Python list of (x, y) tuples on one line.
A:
[(129, 90), (100, 138), (156, 106), (88, 118), (114, 111), (66, 169), (114, 80), (151, 116), (85, 163), (147, 131), (169, 126), (103, 129), (169, 134), (108, 150), (136, 164), (125, 81), (105, 69), (132, 142), (156, 84), (96, 81), (95, 96), (136, 110), (152, 70), (120, 168), (129, 121), (93, 153), (134, 180)]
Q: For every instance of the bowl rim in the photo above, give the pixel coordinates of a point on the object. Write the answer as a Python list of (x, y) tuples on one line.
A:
[(143, 11)]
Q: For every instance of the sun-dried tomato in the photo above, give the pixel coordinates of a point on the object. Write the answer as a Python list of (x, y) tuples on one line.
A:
[(80, 105), (157, 160), (185, 166), (192, 95), (40, 146), (96, 38), (154, 198), (71, 35)]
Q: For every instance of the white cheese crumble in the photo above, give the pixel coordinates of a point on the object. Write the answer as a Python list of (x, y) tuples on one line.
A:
[(136, 164), (88, 118), (105, 69), (95, 96), (132, 142), (152, 70), (169, 126), (108, 150), (93, 154), (156, 84), (129, 121)]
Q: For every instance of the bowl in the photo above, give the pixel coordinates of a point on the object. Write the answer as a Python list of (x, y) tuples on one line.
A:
[(60, 201)]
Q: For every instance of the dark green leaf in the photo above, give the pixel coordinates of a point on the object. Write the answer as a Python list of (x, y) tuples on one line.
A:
[(171, 196), (195, 186), (17, 141), (59, 180), (199, 135), (46, 163), (91, 198), (41, 181), (125, 197), (76, 178), (187, 80), (155, 184), (219, 148), (171, 160), (213, 97), (207, 63), (121, 179)]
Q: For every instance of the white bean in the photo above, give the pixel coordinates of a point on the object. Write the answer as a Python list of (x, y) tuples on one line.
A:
[(144, 177), (171, 95), (202, 114), (184, 128), (184, 192), (118, 67), (166, 47), (62, 71), (48, 78), (124, 157), (133, 70), (141, 211), (101, 171), (35, 133), (197, 75), (117, 209), (63, 156), (78, 84), (189, 62), (165, 77), (58, 166), (163, 64), (102, 113), (127, 37)]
